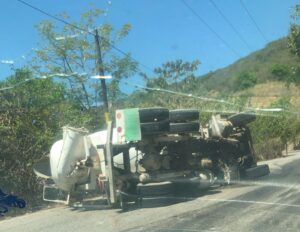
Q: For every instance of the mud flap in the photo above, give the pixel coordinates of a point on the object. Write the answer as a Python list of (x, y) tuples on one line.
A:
[(54, 194), (42, 168), (154, 190), (258, 171)]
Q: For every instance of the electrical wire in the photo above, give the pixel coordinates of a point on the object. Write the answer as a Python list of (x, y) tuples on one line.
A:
[(263, 111), (53, 16), (146, 67), (253, 21), (42, 78), (210, 28), (82, 29), (16, 85), (180, 94), (230, 24)]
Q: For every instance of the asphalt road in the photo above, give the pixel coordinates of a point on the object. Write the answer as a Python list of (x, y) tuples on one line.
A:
[(271, 203)]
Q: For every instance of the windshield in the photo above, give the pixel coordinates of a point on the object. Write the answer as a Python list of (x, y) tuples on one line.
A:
[(149, 115)]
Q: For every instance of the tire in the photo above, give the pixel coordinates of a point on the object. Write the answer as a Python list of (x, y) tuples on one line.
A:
[(153, 114), (258, 171), (183, 115), (149, 128), (155, 189), (242, 118), (42, 168), (184, 127)]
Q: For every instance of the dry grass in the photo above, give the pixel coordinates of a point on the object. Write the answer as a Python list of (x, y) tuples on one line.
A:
[(271, 149), (262, 95)]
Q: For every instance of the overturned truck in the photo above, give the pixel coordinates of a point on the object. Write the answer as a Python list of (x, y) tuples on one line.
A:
[(150, 151)]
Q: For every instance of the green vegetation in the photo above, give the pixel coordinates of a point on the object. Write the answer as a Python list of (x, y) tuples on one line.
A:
[(294, 35), (281, 72), (245, 80), (63, 52), (32, 113)]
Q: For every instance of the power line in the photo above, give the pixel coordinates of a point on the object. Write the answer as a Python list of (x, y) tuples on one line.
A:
[(264, 111), (253, 21), (183, 94), (266, 95), (230, 24), (82, 29), (9, 62), (210, 28), (15, 85), (179, 93), (52, 16), (43, 77)]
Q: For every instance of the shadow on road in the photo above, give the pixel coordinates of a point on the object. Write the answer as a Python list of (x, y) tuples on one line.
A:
[(179, 196), (90, 205), (176, 198)]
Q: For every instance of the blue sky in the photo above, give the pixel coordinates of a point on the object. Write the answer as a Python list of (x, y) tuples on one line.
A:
[(162, 30)]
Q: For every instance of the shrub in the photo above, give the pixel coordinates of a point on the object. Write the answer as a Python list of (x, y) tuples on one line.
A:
[(246, 80), (281, 72), (270, 149)]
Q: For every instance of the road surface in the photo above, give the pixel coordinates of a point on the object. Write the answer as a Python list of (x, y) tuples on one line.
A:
[(271, 203)]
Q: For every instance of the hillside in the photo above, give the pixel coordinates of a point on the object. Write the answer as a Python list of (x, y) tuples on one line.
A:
[(264, 94), (269, 77), (274, 71), (259, 63)]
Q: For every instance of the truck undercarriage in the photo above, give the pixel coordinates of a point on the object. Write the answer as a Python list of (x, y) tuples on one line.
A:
[(155, 147)]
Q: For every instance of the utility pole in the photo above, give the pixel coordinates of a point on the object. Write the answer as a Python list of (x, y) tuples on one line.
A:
[(101, 72)]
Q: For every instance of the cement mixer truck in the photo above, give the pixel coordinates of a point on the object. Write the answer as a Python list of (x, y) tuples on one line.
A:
[(150, 151)]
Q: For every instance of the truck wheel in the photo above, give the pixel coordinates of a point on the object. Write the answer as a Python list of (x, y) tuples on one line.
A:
[(149, 128), (183, 115), (242, 118), (153, 114), (184, 127)]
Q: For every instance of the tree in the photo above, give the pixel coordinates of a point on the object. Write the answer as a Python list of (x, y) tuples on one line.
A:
[(175, 71), (272, 133), (294, 35), (172, 74), (175, 75), (68, 50), (246, 80), (30, 120), (294, 43), (281, 72)]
